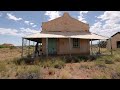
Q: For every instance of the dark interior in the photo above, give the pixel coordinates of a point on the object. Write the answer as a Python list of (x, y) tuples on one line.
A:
[(118, 44)]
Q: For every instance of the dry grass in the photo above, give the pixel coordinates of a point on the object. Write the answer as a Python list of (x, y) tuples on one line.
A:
[(103, 67), (9, 54)]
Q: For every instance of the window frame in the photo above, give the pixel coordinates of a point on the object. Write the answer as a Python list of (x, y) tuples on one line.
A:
[(76, 43)]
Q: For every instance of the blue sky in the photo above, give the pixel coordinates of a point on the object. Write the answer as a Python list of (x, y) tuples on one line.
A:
[(15, 24)]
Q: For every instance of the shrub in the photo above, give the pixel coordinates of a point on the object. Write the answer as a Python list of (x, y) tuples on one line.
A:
[(12, 47), (29, 72), (19, 61), (84, 66), (58, 64), (91, 58), (83, 58), (65, 75), (109, 62), (2, 46), (100, 64), (2, 67), (117, 59), (115, 75), (28, 76), (100, 77)]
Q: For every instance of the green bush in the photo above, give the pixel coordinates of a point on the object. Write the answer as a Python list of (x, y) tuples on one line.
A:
[(1, 46), (12, 47), (83, 58)]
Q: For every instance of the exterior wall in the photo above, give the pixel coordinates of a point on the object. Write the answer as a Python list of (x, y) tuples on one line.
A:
[(65, 23), (43, 46), (63, 47), (114, 40)]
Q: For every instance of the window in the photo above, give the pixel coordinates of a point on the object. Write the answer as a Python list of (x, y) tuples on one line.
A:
[(76, 43)]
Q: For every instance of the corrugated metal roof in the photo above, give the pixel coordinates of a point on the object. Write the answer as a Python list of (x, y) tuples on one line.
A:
[(82, 35)]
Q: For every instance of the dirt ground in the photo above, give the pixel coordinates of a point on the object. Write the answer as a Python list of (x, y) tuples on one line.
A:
[(102, 68)]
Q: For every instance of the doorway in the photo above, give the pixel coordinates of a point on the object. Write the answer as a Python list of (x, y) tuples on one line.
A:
[(52, 46), (118, 44)]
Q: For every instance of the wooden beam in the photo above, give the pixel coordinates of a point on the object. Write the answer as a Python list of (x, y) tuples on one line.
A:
[(47, 47), (99, 47), (29, 48), (111, 46), (91, 47), (70, 46), (22, 46), (33, 46)]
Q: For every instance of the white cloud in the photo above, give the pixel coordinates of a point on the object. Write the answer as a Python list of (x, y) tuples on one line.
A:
[(108, 23), (12, 17), (15, 32), (31, 23), (27, 22), (28, 31), (52, 14), (81, 17), (34, 25)]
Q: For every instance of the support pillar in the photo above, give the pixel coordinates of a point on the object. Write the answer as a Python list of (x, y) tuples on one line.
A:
[(46, 47), (91, 47), (22, 46), (99, 47), (29, 48), (111, 46), (33, 46), (70, 46)]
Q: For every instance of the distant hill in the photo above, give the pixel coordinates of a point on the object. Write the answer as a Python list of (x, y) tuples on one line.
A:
[(6, 45)]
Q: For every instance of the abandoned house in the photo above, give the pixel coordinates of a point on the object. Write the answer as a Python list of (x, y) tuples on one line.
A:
[(114, 41), (64, 35)]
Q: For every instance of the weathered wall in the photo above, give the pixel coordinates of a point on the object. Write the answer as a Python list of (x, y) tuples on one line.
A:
[(43, 46), (63, 47), (114, 40), (64, 23)]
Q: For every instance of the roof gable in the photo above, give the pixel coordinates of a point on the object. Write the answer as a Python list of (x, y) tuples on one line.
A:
[(115, 34), (65, 23)]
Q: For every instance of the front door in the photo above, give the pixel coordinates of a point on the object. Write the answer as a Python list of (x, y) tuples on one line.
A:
[(52, 46)]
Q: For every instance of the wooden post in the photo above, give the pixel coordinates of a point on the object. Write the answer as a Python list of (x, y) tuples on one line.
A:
[(70, 46), (99, 47), (29, 48), (47, 47), (33, 46), (111, 46), (22, 46), (91, 47)]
